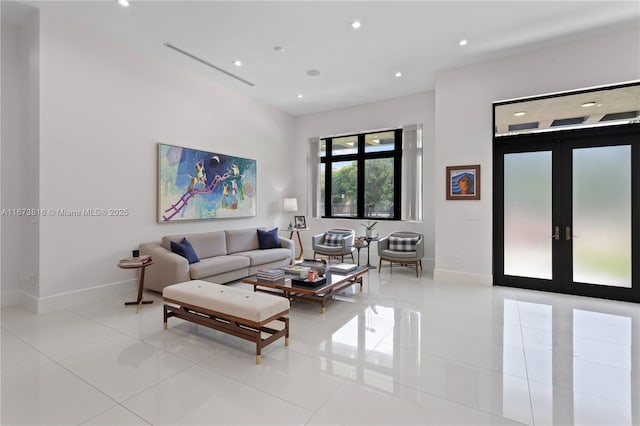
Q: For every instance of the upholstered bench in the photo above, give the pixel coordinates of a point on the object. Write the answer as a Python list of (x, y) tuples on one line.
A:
[(241, 313)]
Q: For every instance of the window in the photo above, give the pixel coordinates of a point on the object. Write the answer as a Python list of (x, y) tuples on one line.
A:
[(360, 175), (595, 107)]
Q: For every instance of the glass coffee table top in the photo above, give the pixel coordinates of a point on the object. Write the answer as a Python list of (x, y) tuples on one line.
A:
[(335, 282)]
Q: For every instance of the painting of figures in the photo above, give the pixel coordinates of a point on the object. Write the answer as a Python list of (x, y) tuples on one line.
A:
[(195, 185)]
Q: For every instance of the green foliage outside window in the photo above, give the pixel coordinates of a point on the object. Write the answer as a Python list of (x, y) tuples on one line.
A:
[(379, 187), (372, 191), (344, 181)]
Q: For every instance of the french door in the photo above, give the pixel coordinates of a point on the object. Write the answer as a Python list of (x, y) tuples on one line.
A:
[(566, 212)]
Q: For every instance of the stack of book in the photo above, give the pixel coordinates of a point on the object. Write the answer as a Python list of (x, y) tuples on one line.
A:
[(343, 268), (271, 275), (135, 261)]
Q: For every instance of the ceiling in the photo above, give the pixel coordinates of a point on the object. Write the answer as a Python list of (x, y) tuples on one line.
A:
[(417, 38), (613, 105)]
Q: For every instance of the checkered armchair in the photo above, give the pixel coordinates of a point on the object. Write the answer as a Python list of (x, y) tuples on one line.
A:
[(404, 248), (335, 242)]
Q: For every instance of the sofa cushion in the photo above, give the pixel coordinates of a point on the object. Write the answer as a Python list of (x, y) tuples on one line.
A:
[(217, 265), (329, 249), (268, 239), (403, 244), (185, 249), (242, 240), (206, 244), (333, 239), (397, 254), (261, 257)]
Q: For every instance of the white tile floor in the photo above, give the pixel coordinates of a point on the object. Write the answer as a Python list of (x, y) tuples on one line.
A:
[(405, 351)]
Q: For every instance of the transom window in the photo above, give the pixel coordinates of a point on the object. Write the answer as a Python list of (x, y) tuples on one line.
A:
[(360, 175)]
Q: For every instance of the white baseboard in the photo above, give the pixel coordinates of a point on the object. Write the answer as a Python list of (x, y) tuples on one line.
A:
[(10, 298), (73, 298), (21, 299), (428, 263), (462, 277), (28, 301)]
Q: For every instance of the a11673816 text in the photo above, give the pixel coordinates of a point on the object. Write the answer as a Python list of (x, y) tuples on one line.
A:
[(61, 212)]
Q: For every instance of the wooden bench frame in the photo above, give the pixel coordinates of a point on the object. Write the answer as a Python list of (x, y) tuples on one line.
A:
[(235, 326)]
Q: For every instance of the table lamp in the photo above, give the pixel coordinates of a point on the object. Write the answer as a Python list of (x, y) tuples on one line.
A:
[(290, 205)]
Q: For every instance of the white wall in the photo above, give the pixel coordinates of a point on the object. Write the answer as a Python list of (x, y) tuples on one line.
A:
[(20, 163), (414, 109), (11, 130), (463, 117), (103, 111)]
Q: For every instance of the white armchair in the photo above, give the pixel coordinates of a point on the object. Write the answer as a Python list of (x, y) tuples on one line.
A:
[(404, 248), (335, 242)]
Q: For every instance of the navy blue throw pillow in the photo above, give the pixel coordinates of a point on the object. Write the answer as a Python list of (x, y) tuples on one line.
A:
[(185, 249), (268, 239)]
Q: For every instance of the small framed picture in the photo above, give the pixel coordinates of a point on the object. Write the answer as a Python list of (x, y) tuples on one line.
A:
[(463, 182), (300, 222)]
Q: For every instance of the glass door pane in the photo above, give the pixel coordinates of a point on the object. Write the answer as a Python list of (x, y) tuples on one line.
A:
[(528, 215), (601, 206)]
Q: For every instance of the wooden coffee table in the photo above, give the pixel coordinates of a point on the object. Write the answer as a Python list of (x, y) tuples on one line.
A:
[(335, 283)]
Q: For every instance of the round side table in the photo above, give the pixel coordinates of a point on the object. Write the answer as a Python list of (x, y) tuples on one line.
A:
[(139, 301), (369, 240), (297, 231), (360, 247)]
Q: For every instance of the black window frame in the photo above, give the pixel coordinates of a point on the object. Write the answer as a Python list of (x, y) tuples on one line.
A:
[(360, 157)]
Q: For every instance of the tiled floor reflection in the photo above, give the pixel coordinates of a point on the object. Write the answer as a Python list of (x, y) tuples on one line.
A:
[(406, 350)]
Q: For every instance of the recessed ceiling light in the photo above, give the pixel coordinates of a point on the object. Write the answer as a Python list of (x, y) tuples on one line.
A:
[(300, 96), (398, 74), (278, 48), (519, 114), (588, 104), (463, 42), (313, 73), (237, 63), (355, 25), (124, 3)]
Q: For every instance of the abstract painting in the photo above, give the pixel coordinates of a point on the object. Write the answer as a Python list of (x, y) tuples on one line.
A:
[(194, 185)]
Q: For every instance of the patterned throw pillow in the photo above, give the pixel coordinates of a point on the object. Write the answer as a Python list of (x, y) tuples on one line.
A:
[(333, 239), (403, 244)]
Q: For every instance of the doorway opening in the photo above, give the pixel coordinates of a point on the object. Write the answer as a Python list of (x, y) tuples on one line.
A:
[(567, 196)]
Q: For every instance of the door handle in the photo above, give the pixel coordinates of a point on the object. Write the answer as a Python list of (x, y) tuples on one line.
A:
[(567, 233), (556, 233)]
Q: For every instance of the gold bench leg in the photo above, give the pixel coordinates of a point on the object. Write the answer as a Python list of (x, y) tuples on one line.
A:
[(286, 341), (258, 359), (164, 326)]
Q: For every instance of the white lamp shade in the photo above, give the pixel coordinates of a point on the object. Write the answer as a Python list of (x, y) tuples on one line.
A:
[(290, 204)]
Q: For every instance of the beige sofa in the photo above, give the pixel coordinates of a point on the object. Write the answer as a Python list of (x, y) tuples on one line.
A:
[(225, 256)]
